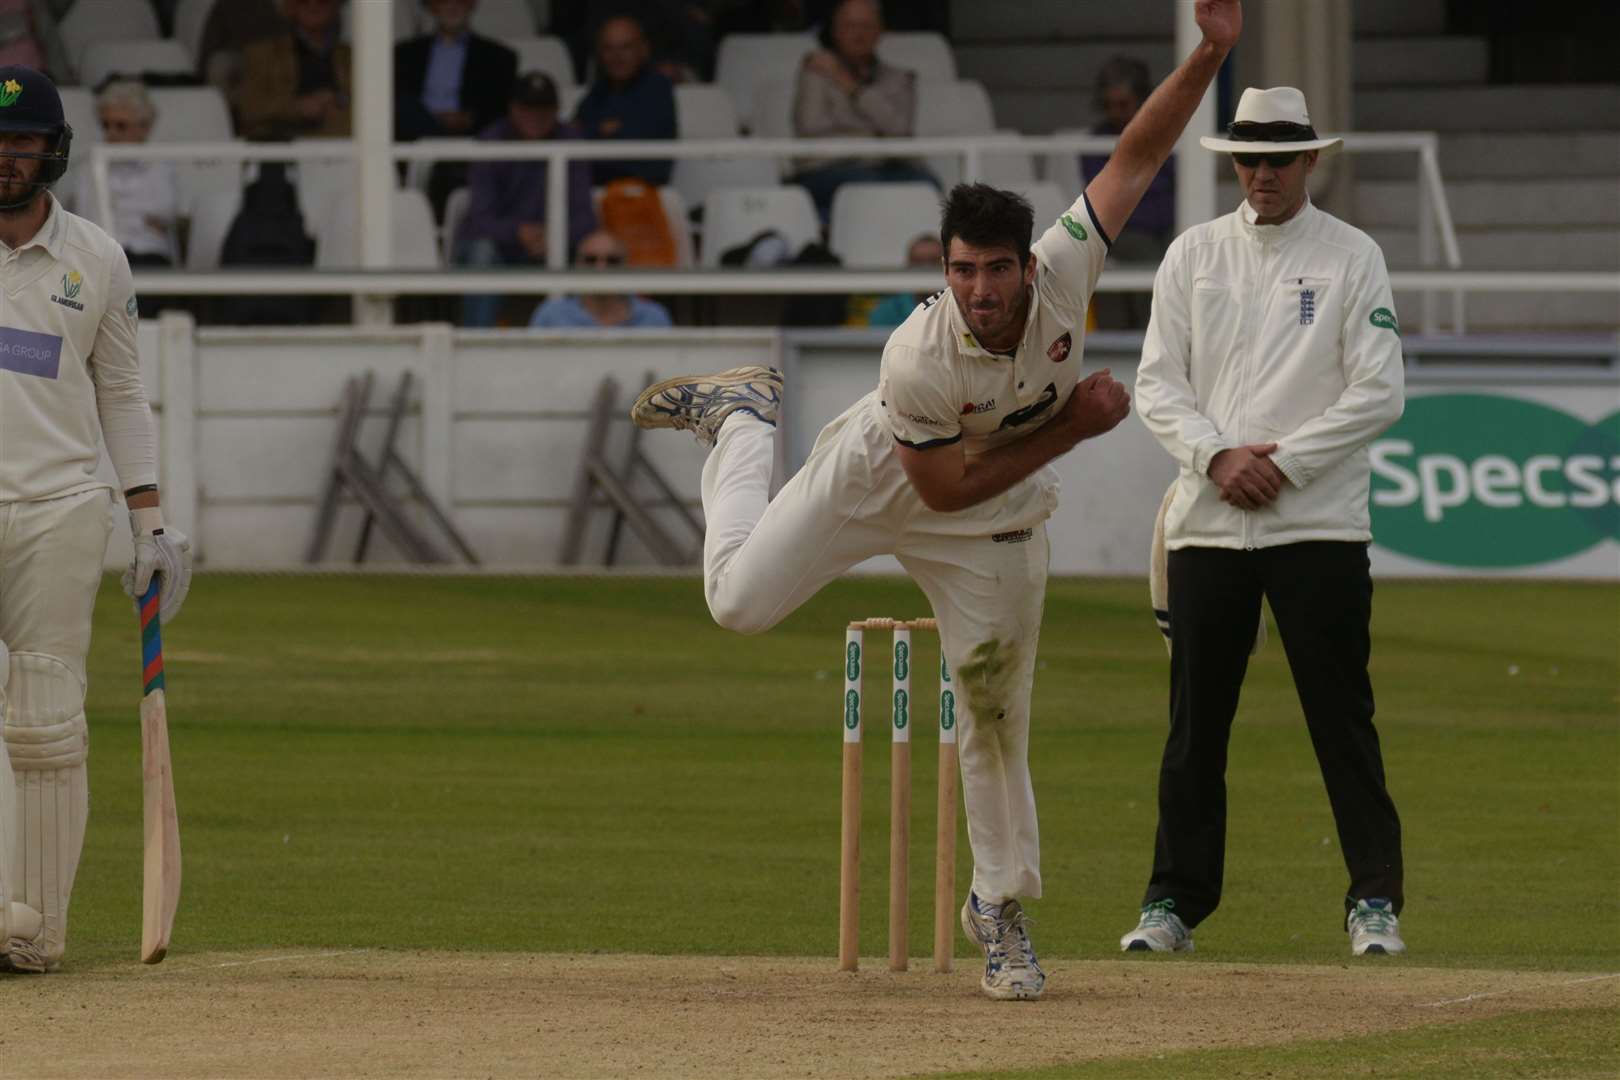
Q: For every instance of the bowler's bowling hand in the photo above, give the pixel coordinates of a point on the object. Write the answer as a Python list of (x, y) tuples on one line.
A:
[(1098, 404)]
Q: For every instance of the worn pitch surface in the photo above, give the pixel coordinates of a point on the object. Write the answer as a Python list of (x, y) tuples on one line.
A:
[(409, 1014)]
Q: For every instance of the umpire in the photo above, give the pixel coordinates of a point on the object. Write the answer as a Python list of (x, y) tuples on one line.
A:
[(1271, 360)]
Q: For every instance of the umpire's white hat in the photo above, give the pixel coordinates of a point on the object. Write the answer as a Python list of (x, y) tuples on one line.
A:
[(1270, 122)]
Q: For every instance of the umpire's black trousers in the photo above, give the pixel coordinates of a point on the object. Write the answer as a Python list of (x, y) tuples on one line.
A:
[(1321, 595)]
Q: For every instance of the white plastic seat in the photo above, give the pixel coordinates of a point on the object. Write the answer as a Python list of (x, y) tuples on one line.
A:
[(733, 216), (679, 226), (503, 20), (704, 111), (195, 114), (337, 241), (1048, 200), (961, 107), (773, 108), (924, 52), (456, 205), (323, 182), (695, 178), (547, 54), (872, 224), (211, 217), (105, 57), (1063, 167), (746, 60), (190, 19), (1007, 169), (106, 20)]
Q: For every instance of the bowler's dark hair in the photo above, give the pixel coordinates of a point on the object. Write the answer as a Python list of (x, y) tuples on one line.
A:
[(987, 217)]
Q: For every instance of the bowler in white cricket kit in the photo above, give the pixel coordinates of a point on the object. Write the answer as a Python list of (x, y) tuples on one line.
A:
[(946, 466), (69, 376)]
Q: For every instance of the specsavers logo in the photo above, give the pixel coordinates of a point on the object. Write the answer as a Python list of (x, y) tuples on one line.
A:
[(9, 93), (1479, 480)]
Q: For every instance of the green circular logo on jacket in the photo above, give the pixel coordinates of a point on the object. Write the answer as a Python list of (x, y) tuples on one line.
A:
[(1483, 480)]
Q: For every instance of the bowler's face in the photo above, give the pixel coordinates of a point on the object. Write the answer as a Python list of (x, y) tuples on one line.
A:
[(989, 288)]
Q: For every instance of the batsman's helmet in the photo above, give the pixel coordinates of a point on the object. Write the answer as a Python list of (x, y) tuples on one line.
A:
[(29, 103)]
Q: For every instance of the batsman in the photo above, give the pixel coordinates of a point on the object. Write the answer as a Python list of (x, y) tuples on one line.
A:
[(946, 465), (69, 377)]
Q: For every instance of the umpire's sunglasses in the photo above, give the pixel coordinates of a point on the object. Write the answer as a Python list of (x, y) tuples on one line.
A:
[(1276, 161)]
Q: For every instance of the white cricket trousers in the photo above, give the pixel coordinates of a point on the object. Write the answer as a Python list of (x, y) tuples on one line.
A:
[(983, 571)]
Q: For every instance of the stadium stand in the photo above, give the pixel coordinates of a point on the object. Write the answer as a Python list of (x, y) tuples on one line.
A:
[(337, 237), (923, 52), (960, 107), (744, 61)]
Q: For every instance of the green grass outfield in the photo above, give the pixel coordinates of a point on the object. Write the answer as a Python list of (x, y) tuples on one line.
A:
[(590, 766)]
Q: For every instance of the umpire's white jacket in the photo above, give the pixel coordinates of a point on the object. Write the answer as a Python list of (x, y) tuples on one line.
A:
[(1271, 333)]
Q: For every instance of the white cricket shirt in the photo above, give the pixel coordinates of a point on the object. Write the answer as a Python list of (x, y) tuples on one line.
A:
[(69, 370), (938, 386)]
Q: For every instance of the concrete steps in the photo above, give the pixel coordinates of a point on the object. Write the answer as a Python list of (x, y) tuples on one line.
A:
[(1489, 108), (1572, 248), (1482, 204), (1415, 61), (1520, 154)]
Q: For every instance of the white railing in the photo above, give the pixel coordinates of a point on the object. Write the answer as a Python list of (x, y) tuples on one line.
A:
[(1436, 232)]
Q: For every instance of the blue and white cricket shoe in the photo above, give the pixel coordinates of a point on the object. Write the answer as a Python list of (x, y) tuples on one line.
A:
[(1011, 972), (701, 403)]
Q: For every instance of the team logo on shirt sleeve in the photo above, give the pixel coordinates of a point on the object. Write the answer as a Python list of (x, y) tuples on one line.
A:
[(1058, 351)]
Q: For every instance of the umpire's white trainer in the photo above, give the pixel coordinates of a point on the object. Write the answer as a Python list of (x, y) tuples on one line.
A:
[(1374, 929), (1159, 930), (1010, 970), (701, 403)]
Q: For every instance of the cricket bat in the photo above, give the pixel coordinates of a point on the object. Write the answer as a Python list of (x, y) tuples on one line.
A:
[(161, 887)]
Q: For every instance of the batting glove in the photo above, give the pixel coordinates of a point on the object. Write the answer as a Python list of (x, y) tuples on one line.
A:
[(165, 552)]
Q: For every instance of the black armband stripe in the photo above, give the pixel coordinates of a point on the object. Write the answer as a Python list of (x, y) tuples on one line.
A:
[(139, 489), (929, 444), (1095, 224)]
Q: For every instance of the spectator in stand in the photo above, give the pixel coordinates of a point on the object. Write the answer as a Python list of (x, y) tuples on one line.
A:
[(846, 91), (1123, 84), (145, 195), (923, 253), (451, 82), (296, 83), (506, 215), (28, 37), (230, 29), (628, 100), (601, 250)]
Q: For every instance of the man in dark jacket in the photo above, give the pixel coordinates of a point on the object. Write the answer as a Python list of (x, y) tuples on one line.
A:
[(451, 82), (628, 100)]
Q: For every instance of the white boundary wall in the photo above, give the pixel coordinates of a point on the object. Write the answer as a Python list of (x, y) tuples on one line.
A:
[(247, 420)]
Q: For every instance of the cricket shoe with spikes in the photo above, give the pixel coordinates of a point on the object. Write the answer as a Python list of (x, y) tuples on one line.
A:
[(701, 403), (1011, 972), (1160, 929), (1374, 929)]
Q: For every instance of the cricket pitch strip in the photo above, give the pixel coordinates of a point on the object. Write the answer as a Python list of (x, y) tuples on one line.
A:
[(373, 1013)]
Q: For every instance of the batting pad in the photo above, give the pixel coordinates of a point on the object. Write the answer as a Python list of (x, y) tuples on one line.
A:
[(47, 739)]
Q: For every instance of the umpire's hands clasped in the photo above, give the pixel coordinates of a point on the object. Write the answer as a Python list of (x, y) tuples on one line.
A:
[(1247, 476)]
